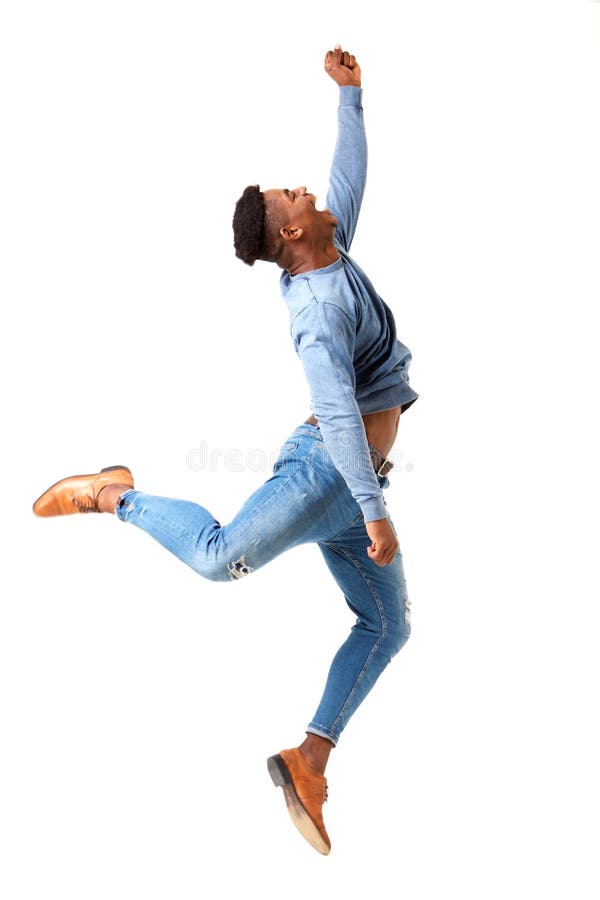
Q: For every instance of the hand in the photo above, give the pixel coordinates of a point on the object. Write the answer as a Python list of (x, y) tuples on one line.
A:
[(384, 541), (342, 67)]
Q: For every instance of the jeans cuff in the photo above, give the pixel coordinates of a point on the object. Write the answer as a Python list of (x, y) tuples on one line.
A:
[(122, 504), (320, 732)]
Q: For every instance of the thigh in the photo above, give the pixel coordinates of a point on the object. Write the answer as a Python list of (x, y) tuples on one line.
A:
[(304, 501), (376, 594)]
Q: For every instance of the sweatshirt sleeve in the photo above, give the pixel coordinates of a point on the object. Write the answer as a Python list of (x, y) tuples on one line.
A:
[(349, 167), (324, 338)]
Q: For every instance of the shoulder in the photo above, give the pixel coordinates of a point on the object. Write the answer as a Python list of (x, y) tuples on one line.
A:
[(324, 321), (325, 310)]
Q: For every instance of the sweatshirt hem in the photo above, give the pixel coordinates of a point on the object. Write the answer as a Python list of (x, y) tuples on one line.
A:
[(402, 395)]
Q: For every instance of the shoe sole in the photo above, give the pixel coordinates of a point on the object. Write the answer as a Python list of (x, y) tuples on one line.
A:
[(281, 777)]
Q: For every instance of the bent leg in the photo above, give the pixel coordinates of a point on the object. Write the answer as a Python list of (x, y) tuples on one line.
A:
[(378, 597), (303, 501)]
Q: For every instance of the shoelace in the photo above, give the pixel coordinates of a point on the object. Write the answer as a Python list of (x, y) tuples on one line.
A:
[(85, 504)]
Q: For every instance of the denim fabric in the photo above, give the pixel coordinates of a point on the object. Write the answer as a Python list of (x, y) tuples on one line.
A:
[(343, 332), (306, 500)]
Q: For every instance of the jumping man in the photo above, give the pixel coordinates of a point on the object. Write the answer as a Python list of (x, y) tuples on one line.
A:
[(328, 481)]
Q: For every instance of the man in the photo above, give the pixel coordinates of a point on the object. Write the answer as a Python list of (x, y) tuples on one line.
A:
[(327, 483)]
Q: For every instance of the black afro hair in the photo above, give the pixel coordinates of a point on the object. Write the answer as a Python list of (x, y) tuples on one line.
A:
[(249, 225)]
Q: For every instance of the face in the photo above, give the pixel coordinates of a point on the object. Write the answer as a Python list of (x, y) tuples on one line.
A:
[(297, 209)]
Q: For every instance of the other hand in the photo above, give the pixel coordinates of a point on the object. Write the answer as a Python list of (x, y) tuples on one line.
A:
[(384, 541), (342, 67)]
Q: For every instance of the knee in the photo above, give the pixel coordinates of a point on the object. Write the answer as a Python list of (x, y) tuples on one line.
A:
[(221, 569), (212, 572), (397, 635)]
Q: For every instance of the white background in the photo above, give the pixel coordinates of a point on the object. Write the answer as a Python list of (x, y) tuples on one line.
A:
[(139, 703)]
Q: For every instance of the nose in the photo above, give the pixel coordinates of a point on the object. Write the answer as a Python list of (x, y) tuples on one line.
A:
[(300, 190)]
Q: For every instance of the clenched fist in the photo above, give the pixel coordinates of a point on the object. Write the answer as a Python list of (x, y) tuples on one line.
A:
[(384, 542), (342, 67)]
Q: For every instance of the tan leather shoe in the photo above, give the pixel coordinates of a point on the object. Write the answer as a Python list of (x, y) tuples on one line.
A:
[(79, 493), (305, 792)]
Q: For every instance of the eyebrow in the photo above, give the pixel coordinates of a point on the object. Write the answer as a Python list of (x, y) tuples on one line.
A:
[(289, 194)]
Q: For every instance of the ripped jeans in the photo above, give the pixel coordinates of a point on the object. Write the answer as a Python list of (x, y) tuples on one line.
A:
[(305, 500)]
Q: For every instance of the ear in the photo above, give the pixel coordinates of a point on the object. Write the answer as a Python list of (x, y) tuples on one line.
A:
[(290, 232)]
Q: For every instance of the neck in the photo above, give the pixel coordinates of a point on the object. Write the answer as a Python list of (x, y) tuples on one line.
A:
[(307, 259)]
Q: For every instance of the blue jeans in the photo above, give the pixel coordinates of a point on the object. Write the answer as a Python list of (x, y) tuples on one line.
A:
[(305, 500)]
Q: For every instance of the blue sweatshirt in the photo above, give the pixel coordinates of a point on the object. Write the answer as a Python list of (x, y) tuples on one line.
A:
[(343, 332)]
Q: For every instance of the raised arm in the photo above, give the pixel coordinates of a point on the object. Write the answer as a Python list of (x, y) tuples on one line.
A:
[(349, 167)]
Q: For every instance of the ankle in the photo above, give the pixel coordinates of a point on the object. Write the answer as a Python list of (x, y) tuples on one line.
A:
[(107, 497), (315, 751)]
